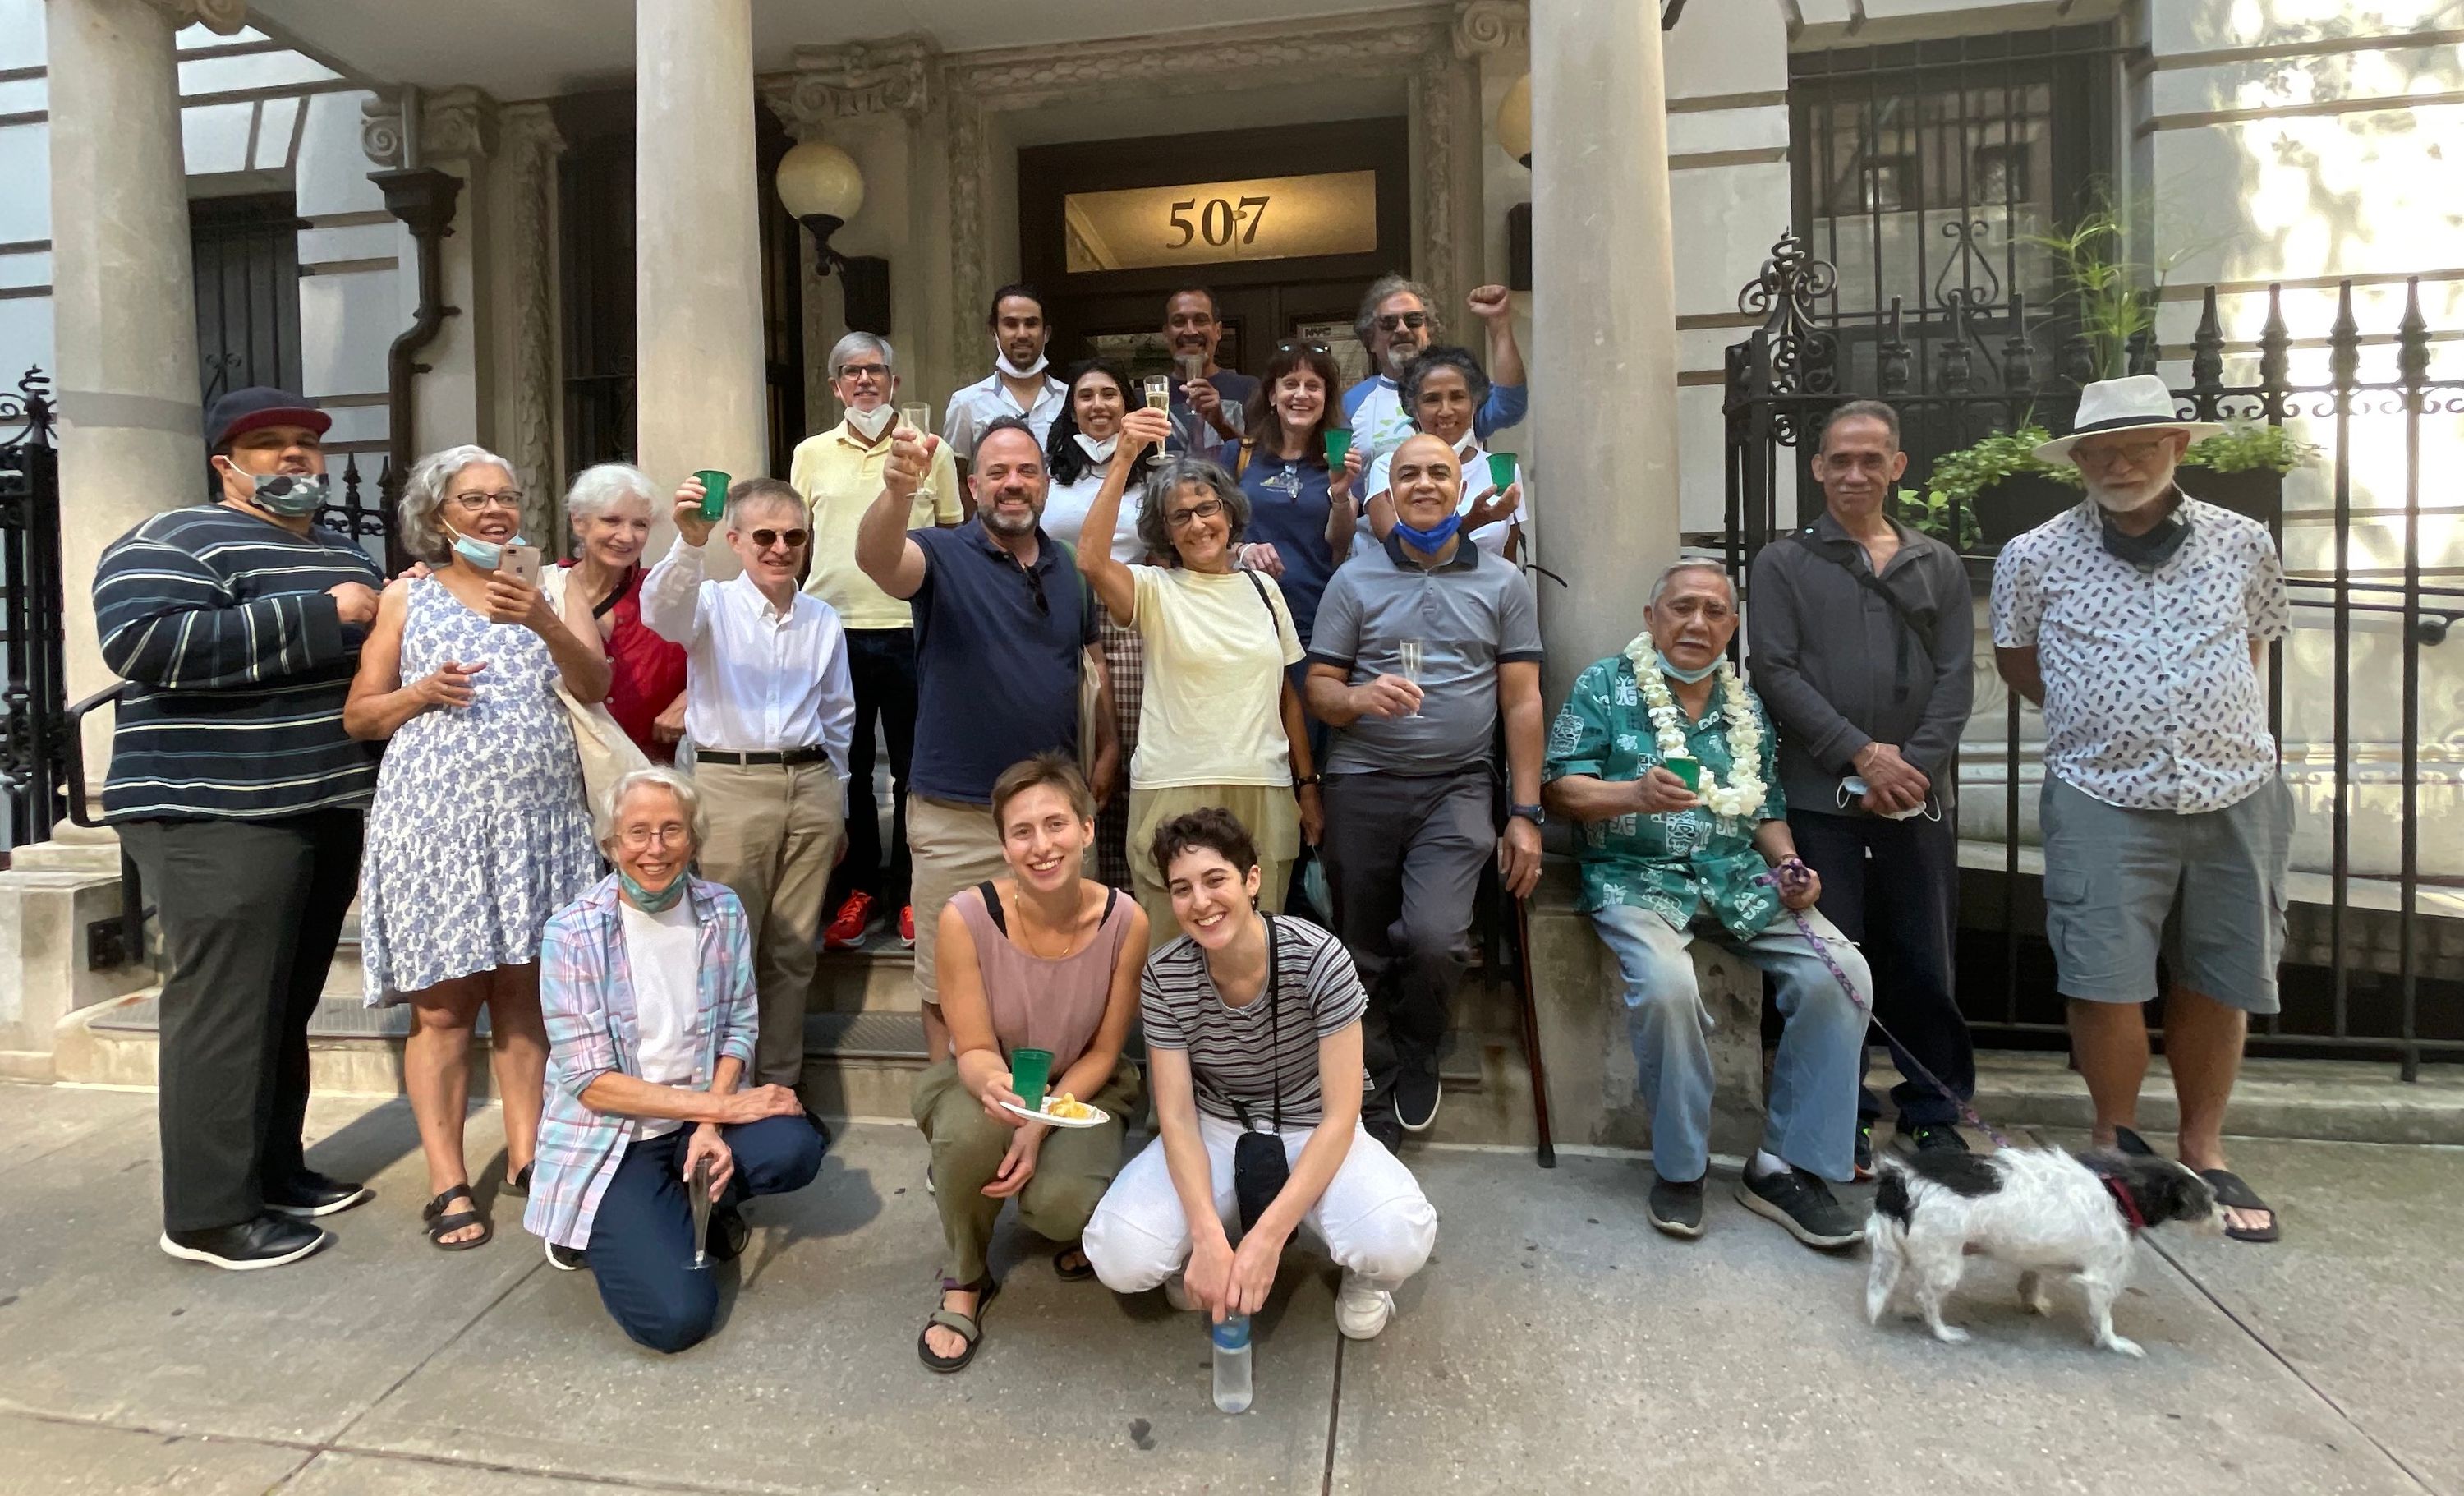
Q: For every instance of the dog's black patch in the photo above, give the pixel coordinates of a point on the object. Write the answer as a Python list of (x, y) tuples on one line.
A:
[(1971, 1174), (2161, 1189), (1891, 1196)]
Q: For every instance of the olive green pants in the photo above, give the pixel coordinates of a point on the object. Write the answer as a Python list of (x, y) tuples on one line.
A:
[(1072, 1171)]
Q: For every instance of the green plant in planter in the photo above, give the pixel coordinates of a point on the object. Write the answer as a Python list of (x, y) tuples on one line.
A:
[(1933, 515), (2246, 446)]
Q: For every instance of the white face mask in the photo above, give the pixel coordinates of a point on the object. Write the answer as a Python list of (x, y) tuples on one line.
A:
[(1001, 362), (1098, 451), (870, 424)]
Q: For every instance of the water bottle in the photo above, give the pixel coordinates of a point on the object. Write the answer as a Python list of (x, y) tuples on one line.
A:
[(1231, 1340)]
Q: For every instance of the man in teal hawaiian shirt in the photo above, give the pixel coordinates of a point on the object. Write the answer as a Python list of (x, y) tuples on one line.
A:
[(1672, 777)]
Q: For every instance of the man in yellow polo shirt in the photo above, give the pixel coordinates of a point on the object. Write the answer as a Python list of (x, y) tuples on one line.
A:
[(839, 474)]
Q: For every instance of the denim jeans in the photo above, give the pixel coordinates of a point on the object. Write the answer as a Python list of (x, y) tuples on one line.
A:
[(1812, 1117)]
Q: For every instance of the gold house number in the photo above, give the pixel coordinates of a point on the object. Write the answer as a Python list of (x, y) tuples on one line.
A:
[(1204, 223), (1219, 222)]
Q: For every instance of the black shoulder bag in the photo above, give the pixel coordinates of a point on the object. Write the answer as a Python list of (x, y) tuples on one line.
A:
[(1259, 1171), (1919, 622)]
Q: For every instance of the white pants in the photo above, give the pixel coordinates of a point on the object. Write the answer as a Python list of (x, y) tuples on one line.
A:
[(1372, 1217)]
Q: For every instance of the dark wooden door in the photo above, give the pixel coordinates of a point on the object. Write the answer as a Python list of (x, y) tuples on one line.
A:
[(246, 251)]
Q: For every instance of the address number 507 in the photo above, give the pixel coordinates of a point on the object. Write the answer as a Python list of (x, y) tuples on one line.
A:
[(1218, 223)]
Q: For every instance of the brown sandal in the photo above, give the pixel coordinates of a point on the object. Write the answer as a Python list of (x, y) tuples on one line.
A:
[(442, 1223)]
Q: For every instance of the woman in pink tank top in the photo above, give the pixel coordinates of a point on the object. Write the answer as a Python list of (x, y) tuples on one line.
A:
[(1044, 959)]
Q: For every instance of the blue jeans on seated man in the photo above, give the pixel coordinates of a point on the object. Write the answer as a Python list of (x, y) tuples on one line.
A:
[(1813, 1104), (640, 1240)]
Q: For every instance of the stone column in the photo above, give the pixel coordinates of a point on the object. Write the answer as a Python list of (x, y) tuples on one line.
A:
[(701, 398), (123, 299), (1604, 341)]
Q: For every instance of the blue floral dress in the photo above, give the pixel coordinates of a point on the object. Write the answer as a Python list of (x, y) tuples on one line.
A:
[(479, 831)]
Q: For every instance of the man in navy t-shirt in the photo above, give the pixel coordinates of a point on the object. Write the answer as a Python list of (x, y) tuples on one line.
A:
[(1005, 627), (1206, 411)]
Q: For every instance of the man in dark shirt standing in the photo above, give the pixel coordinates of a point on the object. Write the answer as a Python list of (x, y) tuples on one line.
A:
[(1864, 638), (1206, 410), (237, 625)]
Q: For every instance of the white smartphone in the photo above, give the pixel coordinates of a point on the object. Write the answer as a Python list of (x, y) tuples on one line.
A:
[(523, 562)]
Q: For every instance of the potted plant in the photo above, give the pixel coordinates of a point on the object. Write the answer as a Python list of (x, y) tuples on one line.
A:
[(1988, 491), (2242, 468)]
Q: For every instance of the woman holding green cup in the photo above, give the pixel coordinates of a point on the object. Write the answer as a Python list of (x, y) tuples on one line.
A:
[(1039, 981), (1441, 393)]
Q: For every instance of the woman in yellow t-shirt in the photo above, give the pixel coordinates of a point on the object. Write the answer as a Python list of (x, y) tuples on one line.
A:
[(1219, 723)]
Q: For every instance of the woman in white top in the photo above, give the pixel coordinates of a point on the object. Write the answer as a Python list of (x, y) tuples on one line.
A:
[(1218, 721), (1441, 392)]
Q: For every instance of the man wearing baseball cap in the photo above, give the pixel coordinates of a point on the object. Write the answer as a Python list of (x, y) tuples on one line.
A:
[(237, 625), (2138, 620)]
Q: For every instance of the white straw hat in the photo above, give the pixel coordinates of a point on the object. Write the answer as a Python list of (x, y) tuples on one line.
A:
[(2137, 404)]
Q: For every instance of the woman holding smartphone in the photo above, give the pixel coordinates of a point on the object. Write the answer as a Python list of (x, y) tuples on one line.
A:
[(479, 830)]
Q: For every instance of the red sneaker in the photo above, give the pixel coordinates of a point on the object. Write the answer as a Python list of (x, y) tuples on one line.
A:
[(907, 926), (846, 929)]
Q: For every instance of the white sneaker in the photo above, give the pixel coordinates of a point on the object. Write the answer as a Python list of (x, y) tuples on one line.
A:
[(1177, 1294), (1361, 1312)]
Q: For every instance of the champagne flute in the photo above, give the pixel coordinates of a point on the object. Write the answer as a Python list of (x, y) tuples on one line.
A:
[(1158, 387), (917, 416), (699, 1187), (1407, 654)]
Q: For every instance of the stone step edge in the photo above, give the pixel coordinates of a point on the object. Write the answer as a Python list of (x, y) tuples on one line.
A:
[(2315, 1110)]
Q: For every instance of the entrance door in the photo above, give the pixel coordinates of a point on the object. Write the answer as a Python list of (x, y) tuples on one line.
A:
[(1286, 226)]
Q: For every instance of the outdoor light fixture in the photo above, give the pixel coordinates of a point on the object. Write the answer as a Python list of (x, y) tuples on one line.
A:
[(821, 188)]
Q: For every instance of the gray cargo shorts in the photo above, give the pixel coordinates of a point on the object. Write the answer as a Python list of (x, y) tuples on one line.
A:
[(2206, 888)]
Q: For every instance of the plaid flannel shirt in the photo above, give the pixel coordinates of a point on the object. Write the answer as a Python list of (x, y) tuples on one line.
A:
[(587, 995)]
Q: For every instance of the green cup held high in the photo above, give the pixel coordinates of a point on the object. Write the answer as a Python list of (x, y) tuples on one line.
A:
[(1030, 1072), (1338, 443), (1501, 471), (713, 492)]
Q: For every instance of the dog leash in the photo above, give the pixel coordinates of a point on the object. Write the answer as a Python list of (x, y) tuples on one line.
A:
[(1966, 1109)]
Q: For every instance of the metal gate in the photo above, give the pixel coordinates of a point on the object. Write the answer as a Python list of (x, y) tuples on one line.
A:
[(32, 745)]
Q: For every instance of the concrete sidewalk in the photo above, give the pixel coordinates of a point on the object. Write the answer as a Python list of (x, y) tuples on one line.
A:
[(1555, 1343)]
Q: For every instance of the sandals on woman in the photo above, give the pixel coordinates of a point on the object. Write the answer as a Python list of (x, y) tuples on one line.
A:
[(442, 1223), (968, 1328), (1069, 1265)]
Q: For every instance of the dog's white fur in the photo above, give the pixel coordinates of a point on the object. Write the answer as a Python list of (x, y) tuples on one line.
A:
[(2052, 1214)]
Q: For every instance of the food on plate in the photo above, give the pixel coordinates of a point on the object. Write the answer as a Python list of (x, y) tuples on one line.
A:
[(1068, 1106)]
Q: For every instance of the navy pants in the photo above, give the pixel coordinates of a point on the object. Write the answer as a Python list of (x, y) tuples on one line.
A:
[(1893, 888), (641, 1241)]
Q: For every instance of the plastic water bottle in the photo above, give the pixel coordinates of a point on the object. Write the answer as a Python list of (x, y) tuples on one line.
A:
[(1231, 1339)]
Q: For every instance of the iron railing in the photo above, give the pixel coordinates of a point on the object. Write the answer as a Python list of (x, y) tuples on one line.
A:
[(369, 516), (33, 750), (2375, 959)]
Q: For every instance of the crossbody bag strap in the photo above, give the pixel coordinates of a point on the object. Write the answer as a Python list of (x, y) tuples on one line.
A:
[(1919, 622)]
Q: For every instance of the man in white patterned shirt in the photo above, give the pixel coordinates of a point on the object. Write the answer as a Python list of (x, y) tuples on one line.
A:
[(2138, 621)]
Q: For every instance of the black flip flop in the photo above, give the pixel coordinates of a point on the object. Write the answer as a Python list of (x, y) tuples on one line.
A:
[(968, 1327), (1079, 1274), (442, 1223), (2233, 1191), (2127, 1142)]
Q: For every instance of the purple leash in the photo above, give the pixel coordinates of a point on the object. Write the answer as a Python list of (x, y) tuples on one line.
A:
[(1966, 1109)]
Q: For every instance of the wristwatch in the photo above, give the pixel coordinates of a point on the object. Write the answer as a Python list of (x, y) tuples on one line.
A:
[(1305, 780), (1537, 815)]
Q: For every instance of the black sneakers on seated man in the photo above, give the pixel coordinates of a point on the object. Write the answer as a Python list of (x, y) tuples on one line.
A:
[(1677, 1208), (1416, 1094), (1802, 1205), (1925, 1138), (1863, 1158), (270, 1241), (565, 1259), (311, 1193)]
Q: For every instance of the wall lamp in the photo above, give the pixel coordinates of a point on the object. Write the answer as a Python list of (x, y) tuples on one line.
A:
[(821, 188)]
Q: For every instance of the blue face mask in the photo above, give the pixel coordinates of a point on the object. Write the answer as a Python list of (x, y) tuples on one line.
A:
[(1430, 539), (643, 899), (486, 555), (289, 495), (1687, 678)]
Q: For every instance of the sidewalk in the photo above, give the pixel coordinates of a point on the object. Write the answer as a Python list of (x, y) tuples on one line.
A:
[(1555, 1343)]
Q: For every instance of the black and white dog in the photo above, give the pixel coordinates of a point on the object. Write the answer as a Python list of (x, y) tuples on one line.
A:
[(2041, 1209)]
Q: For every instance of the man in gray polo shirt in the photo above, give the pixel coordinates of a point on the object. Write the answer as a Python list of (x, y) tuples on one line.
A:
[(1421, 648)]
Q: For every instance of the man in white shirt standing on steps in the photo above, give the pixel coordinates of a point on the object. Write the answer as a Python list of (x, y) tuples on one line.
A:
[(1019, 388), (769, 711)]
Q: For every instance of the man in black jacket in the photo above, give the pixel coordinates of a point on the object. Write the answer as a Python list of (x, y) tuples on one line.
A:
[(1863, 645)]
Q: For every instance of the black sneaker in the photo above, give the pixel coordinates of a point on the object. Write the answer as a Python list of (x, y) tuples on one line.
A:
[(270, 1241), (1929, 1139), (1677, 1208), (1802, 1205), (309, 1192), (1378, 1121), (729, 1234), (565, 1259), (1415, 1095), (1864, 1157)]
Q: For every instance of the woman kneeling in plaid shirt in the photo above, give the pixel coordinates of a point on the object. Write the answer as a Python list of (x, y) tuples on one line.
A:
[(646, 984)]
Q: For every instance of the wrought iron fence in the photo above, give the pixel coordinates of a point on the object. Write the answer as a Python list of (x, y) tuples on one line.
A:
[(33, 748), (2375, 959), (369, 516)]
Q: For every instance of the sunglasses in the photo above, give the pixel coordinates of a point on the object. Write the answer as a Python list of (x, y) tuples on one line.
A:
[(1400, 320), (1306, 347), (1035, 589), (764, 540)]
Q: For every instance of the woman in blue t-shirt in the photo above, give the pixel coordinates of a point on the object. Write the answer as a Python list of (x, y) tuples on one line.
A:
[(1301, 511)]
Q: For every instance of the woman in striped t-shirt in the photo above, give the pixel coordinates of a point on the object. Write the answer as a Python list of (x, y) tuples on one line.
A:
[(1253, 1021)]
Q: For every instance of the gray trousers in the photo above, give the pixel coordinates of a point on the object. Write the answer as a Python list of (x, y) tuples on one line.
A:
[(1404, 856)]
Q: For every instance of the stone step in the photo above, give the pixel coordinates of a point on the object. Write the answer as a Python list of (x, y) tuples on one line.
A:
[(2339, 1101)]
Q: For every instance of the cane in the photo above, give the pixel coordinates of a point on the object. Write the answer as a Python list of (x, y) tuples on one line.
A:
[(1531, 1032)]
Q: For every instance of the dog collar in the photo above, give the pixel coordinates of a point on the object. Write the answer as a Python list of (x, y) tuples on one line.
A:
[(2122, 1197)]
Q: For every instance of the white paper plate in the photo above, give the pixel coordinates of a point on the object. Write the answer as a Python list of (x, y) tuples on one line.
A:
[(1098, 1117)]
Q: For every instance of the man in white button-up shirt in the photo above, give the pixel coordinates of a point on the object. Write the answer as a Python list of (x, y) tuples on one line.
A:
[(1020, 385), (768, 710), (2138, 621)]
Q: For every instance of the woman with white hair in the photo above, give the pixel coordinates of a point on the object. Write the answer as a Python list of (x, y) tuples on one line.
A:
[(609, 507), (479, 830), (646, 980)]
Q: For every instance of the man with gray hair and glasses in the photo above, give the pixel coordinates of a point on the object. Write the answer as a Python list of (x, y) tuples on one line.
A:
[(839, 474), (1664, 760), (1397, 320)]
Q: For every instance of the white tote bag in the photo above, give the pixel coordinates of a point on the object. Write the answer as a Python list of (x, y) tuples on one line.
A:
[(607, 754)]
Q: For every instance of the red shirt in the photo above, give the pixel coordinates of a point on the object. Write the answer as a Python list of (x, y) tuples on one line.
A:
[(649, 670)]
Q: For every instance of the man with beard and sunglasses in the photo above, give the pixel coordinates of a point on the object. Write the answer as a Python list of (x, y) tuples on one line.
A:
[(769, 710), (1397, 321), (1005, 657)]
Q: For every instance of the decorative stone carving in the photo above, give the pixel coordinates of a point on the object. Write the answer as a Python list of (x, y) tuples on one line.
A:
[(1485, 26), (893, 76), (454, 125), (530, 146), (223, 17)]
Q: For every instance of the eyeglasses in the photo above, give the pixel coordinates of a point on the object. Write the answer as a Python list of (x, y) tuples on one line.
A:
[(1400, 320), (480, 503), (638, 838), (1307, 347), (2137, 454), (1203, 509), (764, 540), (863, 371)]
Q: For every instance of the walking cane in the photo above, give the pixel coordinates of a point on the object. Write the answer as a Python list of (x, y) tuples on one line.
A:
[(1531, 1032)]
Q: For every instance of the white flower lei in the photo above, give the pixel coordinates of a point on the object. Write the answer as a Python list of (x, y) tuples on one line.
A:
[(1744, 793)]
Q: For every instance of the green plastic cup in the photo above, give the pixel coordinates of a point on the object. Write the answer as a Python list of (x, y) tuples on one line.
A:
[(1690, 770), (1501, 471), (1338, 444), (714, 491), (1031, 1072)]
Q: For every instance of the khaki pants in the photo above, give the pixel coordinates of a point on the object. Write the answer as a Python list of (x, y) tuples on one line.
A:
[(954, 847), (1072, 1170), (776, 831)]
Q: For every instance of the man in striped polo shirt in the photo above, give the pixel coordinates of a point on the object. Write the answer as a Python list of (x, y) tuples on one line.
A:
[(237, 625)]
